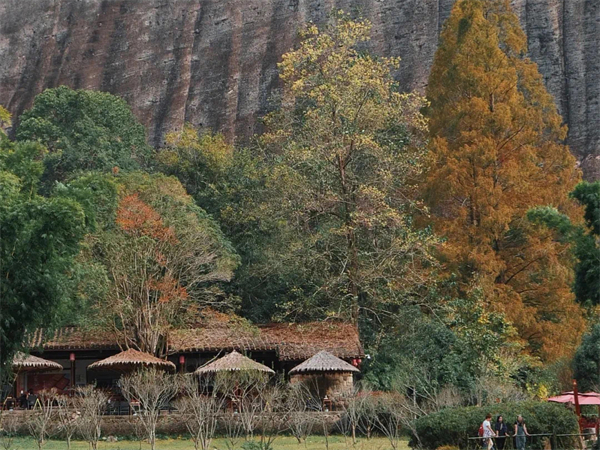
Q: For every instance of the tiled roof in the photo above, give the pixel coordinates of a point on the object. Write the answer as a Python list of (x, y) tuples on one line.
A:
[(72, 338), (291, 342)]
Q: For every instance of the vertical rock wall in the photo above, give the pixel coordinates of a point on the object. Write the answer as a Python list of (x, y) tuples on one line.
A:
[(213, 62)]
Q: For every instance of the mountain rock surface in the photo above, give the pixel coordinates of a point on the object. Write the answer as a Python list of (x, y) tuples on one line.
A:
[(213, 62)]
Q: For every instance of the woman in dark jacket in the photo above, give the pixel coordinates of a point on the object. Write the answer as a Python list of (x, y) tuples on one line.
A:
[(501, 432)]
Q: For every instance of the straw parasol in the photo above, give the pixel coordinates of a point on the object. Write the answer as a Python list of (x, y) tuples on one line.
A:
[(233, 362), (130, 360), (323, 362), (28, 363)]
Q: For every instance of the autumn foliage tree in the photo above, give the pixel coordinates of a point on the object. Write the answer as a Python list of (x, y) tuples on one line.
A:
[(162, 258), (345, 148), (497, 151)]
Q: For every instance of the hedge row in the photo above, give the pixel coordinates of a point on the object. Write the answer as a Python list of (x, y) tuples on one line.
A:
[(453, 426)]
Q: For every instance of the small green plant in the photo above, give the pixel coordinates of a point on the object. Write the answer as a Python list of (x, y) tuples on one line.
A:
[(254, 445)]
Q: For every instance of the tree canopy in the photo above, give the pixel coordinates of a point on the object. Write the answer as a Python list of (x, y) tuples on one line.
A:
[(84, 130), (161, 255), (497, 151), (584, 239), (344, 150), (39, 240), (586, 363)]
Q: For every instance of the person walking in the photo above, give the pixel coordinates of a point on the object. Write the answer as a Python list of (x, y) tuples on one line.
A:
[(488, 432), (520, 433), (501, 431)]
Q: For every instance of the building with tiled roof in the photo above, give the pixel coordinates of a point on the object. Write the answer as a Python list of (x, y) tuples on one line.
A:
[(279, 346)]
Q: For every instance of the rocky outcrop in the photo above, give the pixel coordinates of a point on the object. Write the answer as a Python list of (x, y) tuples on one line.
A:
[(213, 62)]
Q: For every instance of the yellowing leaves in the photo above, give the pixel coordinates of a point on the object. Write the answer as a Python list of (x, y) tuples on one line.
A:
[(496, 152)]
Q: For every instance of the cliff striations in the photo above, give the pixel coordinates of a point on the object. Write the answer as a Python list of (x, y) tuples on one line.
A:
[(213, 62)]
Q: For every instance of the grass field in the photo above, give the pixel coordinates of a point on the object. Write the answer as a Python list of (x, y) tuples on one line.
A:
[(283, 443)]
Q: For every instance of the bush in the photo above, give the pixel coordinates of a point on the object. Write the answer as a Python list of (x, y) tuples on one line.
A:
[(452, 426)]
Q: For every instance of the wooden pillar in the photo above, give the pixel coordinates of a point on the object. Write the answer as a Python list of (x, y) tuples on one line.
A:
[(72, 359)]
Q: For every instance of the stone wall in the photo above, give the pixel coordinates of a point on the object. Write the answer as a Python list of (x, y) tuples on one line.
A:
[(213, 62), (335, 385)]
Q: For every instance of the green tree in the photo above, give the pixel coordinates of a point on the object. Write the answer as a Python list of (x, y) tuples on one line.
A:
[(586, 363), (84, 131), (451, 349), (39, 240), (202, 162), (497, 151), (584, 239), (342, 154)]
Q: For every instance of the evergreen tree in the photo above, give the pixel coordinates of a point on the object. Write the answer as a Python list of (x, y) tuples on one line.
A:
[(84, 130), (585, 240), (586, 363), (39, 240), (497, 151)]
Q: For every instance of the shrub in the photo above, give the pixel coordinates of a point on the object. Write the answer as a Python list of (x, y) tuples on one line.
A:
[(452, 426)]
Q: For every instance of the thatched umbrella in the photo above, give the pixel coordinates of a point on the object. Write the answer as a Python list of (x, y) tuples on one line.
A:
[(28, 363), (130, 360), (233, 362), (323, 362)]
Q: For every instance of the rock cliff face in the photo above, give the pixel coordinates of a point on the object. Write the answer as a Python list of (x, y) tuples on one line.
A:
[(213, 62)]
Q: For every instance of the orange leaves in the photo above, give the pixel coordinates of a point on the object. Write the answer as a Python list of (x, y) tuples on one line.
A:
[(138, 218), (496, 152), (168, 289)]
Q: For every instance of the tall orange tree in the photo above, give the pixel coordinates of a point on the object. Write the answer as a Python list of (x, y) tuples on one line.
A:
[(497, 150)]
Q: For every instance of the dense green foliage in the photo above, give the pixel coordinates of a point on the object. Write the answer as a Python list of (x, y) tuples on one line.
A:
[(587, 361), (459, 347), (84, 130), (452, 426), (39, 239), (584, 239)]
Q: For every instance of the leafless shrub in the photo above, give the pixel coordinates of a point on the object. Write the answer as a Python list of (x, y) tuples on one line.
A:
[(200, 409), (233, 428), (91, 404), (392, 414), (153, 389), (355, 407), (67, 417), (368, 420), (315, 404), (9, 424), (40, 419), (274, 413), (300, 422), (243, 390)]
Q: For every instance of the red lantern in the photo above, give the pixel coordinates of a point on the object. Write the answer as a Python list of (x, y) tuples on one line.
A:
[(72, 357), (181, 359)]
